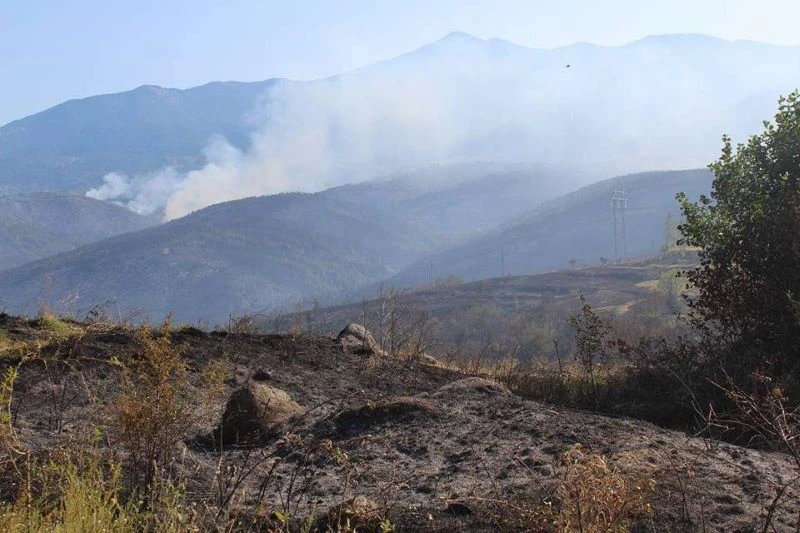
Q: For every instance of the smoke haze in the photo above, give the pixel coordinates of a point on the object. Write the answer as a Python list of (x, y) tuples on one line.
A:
[(146, 194), (659, 103)]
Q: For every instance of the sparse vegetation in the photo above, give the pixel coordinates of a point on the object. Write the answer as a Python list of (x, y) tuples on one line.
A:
[(57, 328), (595, 494), (156, 408), (111, 477)]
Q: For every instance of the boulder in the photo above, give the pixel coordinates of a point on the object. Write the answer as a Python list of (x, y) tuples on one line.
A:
[(355, 338), (473, 385), (254, 413)]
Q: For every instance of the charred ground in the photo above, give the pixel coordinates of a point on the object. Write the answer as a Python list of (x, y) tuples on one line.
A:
[(425, 447)]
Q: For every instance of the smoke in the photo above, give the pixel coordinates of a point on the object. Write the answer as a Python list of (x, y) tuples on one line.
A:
[(307, 137), (114, 186), (458, 100), (312, 136), (146, 194), (316, 136)]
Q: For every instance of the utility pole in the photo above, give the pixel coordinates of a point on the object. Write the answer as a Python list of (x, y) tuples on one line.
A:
[(431, 273), (502, 262), (624, 234), (614, 216), (619, 203)]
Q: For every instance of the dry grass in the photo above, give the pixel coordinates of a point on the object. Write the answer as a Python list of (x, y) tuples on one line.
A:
[(598, 495), (590, 494), (78, 488), (156, 407), (81, 493), (57, 329)]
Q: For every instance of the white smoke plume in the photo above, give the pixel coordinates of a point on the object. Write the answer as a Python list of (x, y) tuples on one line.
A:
[(651, 105), (310, 137), (114, 186), (146, 194), (317, 136)]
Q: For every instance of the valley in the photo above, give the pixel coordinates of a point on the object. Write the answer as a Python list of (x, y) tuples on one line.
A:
[(270, 254)]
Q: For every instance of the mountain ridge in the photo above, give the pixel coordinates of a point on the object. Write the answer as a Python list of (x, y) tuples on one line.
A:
[(535, 241), (228, 258), (39, 225), (477, 99)]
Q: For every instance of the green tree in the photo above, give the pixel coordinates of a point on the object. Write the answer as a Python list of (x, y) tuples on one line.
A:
[(671, 234), (748, 232), (670, 284), (591, 342)]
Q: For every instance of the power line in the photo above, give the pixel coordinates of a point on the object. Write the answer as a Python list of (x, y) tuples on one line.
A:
[(619, 209), (619, 203)]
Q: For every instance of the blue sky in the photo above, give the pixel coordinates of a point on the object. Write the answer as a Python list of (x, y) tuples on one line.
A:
[(55, 50)]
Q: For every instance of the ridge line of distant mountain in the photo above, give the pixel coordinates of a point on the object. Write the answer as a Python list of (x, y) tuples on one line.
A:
[(455, 35)]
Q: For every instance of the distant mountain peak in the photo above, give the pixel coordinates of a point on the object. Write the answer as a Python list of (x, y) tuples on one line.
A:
[(692, 39), (458, 41), (456, 38), (155, 89), (459, 36)]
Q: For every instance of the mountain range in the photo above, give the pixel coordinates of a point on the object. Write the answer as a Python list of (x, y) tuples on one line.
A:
[(262, 252), (658, 103), (576, 228), (228, 258), (69, 147), (465, 157)]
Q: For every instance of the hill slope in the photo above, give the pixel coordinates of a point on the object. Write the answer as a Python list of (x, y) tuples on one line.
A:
[(455, 202), (262, 252), (577, 226), (270, 252), (439, 452), (71, 146), (229, 258), (39, 225)]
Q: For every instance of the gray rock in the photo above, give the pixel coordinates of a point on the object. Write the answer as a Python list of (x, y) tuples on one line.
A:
[(356, 338), (254, 413)]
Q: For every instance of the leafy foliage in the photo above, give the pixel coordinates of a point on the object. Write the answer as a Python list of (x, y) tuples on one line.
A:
[(591, 341), (749, 235)]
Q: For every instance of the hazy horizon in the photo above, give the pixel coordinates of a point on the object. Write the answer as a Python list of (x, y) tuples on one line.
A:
[(519, 83), (660, 102), (111, 48)]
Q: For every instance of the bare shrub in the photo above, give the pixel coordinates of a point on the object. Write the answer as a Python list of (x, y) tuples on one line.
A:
[(595, 494), (402, 329), (156, 407)]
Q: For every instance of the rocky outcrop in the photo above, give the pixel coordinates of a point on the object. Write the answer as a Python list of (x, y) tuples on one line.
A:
[(255, 412), (356, 338)]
